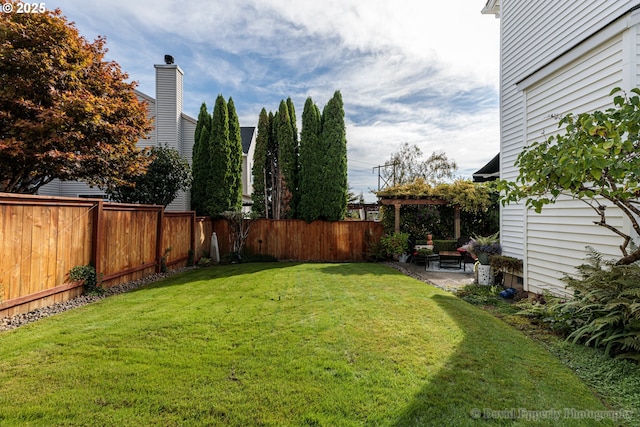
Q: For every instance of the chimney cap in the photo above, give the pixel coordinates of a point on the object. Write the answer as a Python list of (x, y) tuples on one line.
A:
[(168, 59)]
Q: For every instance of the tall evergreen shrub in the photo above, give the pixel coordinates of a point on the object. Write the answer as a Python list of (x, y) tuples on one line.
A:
[(261, 170), (201, 161), (334, 142), (219, 199), (287, 162), (311, 163), (234, 175)]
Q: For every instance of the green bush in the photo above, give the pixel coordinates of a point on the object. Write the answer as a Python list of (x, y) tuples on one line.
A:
[(204, 261), (605, 309), (417, 220), (396, 243), (480, 294), (376, 251), (424, 252), (444, 245), (545, 310), (90, 277), (506, 264)]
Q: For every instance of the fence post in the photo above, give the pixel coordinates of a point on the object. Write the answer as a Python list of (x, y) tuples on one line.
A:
[(193, 233), (96, 237), (159, 238)]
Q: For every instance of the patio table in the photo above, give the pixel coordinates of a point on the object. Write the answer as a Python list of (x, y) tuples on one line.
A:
[(450, 259)]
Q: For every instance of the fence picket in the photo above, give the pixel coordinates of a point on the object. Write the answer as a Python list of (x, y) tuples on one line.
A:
[(295, 239)]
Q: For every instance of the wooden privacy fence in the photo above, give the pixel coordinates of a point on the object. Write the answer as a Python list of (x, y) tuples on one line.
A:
[(293, 239), (42, 238)]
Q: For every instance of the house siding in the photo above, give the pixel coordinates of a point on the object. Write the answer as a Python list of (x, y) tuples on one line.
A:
[(171, 127), (169, 105), (247, 166), (187, 128), (188, 133), (545, 74)]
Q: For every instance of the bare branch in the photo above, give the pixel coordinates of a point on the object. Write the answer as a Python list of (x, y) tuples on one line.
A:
[(603, 223)]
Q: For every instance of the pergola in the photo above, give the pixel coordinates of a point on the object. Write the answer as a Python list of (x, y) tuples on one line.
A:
[(397, 202)]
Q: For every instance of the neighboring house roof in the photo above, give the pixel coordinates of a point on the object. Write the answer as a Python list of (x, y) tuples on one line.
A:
[(489, 172), (492, 7), (188, 118), (246, 134), (145, 96)]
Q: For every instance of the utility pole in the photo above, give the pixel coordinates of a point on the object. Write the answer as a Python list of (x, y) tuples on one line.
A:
[(386, 180)]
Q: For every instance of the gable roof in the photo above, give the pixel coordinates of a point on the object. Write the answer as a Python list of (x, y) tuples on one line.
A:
[(489, 172), (246, 133)]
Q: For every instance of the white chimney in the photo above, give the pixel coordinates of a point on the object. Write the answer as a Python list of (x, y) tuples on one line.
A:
[(169, 79)]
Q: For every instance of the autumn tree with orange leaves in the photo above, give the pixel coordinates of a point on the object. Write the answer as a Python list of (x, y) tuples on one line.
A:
[(65, 112)]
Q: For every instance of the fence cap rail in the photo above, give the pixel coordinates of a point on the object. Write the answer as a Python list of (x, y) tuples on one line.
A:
[(31, 199)]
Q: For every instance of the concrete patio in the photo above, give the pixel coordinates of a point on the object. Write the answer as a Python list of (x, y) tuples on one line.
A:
[(447, 279)]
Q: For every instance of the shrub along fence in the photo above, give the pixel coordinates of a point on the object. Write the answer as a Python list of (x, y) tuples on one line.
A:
[(42, 238)]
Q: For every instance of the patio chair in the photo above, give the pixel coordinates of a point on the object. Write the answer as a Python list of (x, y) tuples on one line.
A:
[(467, 257)]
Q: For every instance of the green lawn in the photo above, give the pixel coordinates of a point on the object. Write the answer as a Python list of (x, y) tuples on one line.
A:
[(283, 344)]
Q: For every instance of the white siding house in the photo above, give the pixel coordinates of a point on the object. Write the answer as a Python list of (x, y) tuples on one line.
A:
[(170, 126), (248, 148), (559, 57)]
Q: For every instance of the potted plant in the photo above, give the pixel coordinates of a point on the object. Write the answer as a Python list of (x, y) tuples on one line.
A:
[(483, 248), (506, 265), (424, 252), (429, 238), (396, 244)]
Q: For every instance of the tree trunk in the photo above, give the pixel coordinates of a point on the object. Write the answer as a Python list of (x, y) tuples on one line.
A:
[(630, 259)]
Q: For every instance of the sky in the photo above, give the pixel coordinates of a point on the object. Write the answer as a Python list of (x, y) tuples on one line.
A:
[(423, 72)]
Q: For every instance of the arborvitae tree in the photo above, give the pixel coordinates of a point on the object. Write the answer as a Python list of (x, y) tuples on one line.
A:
[(296, 143), (200, 163), (235, 160), (287, 162), (204, 119), (310, 177), (293, 118), (272, 163), (219, 199), (260, 167), (333, 199)]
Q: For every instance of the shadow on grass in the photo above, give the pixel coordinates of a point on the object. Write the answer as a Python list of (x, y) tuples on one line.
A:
[(359, 269), (235, 270), (215, 272), (498, 377)]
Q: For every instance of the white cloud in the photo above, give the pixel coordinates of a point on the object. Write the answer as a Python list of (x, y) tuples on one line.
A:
[(417, 71)]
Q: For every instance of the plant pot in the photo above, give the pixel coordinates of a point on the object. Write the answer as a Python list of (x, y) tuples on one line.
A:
[(484, 274), (430, 239), (483, 257), (403, 258)]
